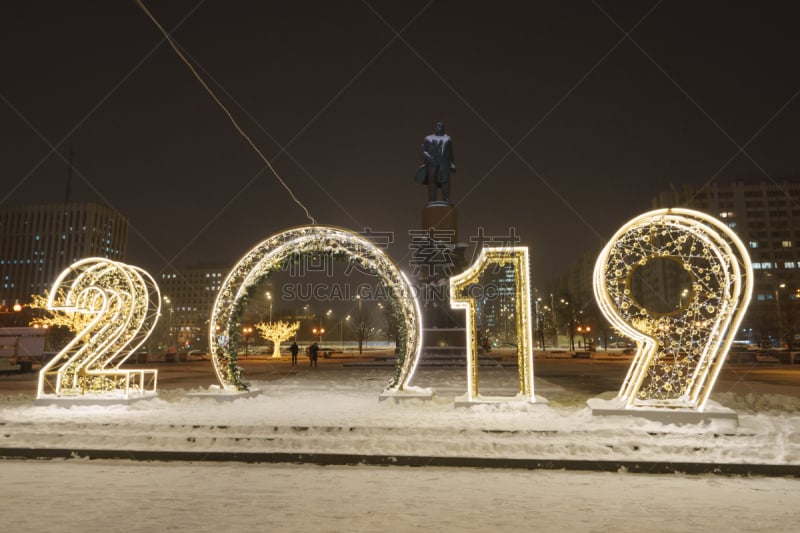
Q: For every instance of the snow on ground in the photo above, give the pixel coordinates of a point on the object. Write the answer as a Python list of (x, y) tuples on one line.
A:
[(106, 496), (338, 411)]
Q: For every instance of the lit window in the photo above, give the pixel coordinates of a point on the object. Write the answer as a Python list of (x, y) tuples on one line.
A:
[(786, 244), (753, 244), (790, 264)]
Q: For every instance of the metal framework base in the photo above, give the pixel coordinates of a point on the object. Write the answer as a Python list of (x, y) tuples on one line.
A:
[(215, 392), (464, 401), (714, 413), (408, 393), (93, 399)]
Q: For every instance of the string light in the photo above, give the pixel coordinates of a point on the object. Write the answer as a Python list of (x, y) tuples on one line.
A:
[(681, 351), (271, 255), (123, 303), (517, 256)]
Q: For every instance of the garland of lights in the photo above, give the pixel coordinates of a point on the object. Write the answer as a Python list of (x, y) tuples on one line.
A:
[(680, 353), (270, 256), (460, 299), (124, 303)]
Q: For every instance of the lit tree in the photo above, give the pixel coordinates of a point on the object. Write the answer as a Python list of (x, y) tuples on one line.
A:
[(277, 332), (72, 321)]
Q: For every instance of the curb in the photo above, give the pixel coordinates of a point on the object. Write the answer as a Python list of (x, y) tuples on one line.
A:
[(329, 459)]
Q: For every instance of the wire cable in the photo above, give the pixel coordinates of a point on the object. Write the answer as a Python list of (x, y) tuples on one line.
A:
[(225, 110)]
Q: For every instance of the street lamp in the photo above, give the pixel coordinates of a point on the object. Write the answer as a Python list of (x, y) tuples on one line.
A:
[(247, 330), (319, 332), (169, 321), (584, 332), (341, 331), (780, 313), (269, 297), (683, 296)]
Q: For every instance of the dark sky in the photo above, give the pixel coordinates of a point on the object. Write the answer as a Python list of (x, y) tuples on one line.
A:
[(563, 127)]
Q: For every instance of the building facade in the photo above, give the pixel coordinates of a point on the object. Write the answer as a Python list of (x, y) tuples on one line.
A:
[(188, 297), (37, 242), (765, 215)]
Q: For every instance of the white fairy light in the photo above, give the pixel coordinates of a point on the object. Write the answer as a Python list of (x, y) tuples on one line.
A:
[(680, 352), (518, 257), (123, 303), (269, 255)]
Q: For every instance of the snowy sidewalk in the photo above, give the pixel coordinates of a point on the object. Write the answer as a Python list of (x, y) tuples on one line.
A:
[(336, 418)]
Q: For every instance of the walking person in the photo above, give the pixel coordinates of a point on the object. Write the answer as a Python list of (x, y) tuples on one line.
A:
[(313, 351), (293, 349)]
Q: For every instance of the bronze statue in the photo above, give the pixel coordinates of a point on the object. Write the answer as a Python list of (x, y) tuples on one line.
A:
[(438, 163)]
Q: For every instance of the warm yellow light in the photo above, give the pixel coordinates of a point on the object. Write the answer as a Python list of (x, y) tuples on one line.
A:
[(680, 353), (269, 255), (460, 299), (123, 304)]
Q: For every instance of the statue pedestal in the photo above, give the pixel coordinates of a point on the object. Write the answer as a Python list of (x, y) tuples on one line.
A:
[(441, 217)]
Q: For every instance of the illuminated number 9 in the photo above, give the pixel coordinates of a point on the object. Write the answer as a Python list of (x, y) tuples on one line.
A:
[(677, 282), (116, 307), (461, 298)]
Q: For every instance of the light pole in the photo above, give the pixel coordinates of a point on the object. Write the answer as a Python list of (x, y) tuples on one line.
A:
[(683, 296), (341, 331), (553, 318), (584, 332), (247, 330), (169, 321), (319, 332), (360, 326), (780, 313), (269, 298)]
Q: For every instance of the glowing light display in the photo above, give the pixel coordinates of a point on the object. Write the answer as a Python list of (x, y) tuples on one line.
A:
[(681, 346), (460, 298), (270, 255), (124, 303)]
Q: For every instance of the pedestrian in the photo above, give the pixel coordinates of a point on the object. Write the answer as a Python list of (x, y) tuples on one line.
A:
[(313, 351), (294, 349)]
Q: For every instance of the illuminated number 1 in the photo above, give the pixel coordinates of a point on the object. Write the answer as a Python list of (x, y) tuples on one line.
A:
[(464, 288)]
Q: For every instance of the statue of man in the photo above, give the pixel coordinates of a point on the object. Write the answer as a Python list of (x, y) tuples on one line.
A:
[(438, 163)]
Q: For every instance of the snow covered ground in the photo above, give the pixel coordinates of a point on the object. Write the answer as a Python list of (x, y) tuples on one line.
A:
[(103, 496), (336, 411)]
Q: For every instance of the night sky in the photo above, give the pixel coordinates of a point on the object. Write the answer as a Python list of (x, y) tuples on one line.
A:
[(567, 118)]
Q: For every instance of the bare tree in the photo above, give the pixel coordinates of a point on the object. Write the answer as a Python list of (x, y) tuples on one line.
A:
[(363, 329), (277, 332)]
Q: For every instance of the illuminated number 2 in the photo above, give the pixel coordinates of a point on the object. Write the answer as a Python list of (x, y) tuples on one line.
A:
[(116, 307), (465, 290), (678, 282)]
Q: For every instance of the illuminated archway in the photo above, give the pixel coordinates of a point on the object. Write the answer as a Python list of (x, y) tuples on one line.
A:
[(680, 351), (270, 255)]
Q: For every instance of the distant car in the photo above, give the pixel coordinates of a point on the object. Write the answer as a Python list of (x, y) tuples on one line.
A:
[(327, 353), (196, 354)]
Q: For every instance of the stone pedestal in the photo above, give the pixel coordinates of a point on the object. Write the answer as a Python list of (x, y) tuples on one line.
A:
[(443, 219)]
